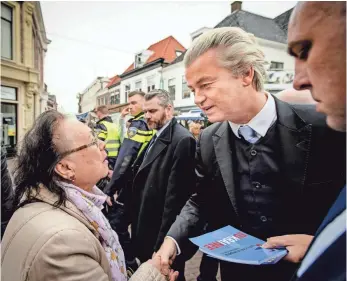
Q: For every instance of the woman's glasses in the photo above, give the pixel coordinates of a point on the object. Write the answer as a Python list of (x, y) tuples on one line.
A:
[(95, 141)]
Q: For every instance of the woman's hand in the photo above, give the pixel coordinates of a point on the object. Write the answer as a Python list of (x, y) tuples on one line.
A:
[(156, 262), (109, 201)]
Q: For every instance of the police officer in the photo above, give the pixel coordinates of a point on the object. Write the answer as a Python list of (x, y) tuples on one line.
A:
[(137, 137), (108, 132)]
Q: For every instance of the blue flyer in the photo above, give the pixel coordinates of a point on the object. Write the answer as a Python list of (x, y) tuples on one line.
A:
[(232, 245)]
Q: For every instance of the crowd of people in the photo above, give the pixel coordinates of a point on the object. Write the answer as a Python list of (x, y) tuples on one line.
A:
[(89, 204)]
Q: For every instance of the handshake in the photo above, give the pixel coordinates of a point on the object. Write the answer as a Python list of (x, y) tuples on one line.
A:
[(296, 244), (164, 258)]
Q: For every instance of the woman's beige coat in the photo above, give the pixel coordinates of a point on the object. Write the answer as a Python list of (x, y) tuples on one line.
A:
[(43, 243)]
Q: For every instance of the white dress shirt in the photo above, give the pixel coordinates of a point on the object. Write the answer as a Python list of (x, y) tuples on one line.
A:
[(262, 122)]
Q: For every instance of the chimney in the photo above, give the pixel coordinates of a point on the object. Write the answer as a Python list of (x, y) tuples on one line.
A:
[(236, 6)]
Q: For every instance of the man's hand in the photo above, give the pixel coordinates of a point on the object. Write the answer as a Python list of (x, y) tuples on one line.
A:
[(296, 244), (167, 254), (157, 262), (124, 112)]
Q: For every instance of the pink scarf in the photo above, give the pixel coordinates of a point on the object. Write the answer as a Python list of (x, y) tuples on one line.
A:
[(91, 204)]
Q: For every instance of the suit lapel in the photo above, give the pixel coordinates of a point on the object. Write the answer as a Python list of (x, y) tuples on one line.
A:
[(222, 146), (159, 145), (295, 140), (155, 151)]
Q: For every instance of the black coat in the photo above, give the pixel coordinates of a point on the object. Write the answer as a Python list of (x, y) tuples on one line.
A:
[(7, 193), (163, 182), (312, 164)]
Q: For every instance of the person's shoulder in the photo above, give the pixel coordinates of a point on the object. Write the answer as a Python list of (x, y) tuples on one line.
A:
[(139, 124), (211, 130), (181, 131), (40, 221), (308, 113)]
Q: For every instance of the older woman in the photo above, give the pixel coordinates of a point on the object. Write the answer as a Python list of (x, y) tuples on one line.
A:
[(58, 231), (195, 129)]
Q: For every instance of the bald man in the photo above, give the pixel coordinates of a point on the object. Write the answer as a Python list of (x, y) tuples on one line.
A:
[(317, 40), (296, 97)]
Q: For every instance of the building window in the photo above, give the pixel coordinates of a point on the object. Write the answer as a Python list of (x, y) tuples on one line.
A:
[(276, 65), (102, 101), (9, 119), (150, 84), (185, 90), (172, 88), (138, 85), (6, 32), (127, 91), (8, 93), (115, 97)]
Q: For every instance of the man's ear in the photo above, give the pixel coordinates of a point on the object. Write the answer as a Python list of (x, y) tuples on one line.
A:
[(247, 78), (169, 111), (65, 169)]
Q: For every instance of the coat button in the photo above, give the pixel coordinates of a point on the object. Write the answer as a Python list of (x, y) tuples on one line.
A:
[(263, 219), (253, 152)]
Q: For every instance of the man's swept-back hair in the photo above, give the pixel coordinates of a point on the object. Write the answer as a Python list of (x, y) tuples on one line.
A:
[(133, 93), (237, 51), (162, 95)]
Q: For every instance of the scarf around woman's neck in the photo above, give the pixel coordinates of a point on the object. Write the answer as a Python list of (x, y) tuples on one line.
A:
[(91, 204)]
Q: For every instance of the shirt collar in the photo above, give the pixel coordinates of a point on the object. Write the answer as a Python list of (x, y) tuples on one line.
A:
[(163, 128), (262, 122)]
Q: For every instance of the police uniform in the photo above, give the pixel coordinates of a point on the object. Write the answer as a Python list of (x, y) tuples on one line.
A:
[(135, 141), (108, 132)]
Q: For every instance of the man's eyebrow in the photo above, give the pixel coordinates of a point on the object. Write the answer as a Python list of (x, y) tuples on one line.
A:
[(204, 79)]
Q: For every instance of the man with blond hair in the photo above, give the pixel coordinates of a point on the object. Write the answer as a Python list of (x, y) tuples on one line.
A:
[(264, 165)]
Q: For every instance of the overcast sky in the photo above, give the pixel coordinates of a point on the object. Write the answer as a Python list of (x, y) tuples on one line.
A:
[(91, 39)]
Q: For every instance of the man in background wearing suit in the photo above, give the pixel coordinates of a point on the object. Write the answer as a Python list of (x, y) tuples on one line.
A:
[(163, 178), (317, 40), (264, 166)]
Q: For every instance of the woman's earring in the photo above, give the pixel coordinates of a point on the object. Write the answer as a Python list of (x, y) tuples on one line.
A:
[(72, 178)]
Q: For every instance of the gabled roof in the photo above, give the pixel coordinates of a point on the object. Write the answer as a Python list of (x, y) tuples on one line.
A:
[(259, 26), (164, 49), (271, 29), (114, 80), (179, 58), (283, 19)]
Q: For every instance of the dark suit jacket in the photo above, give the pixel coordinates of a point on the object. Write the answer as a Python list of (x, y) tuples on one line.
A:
[(331, 264), (163, 182), (313, 166)]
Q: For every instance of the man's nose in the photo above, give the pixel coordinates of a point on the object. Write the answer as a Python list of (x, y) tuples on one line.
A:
[(199, 98), (301, 80)]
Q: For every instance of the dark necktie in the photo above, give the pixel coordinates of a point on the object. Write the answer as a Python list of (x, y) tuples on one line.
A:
[(150, 144)]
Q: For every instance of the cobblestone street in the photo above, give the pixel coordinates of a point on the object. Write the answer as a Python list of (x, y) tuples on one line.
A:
[(192, 268)]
